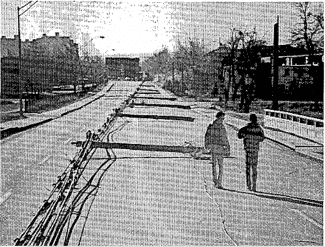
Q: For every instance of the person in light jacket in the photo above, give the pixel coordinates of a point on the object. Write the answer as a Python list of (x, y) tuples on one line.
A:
[(252, 134), (216, 140)]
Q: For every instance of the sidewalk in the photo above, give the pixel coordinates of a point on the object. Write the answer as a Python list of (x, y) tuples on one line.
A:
[(34, 119), (150, 197), (300, 145), (175, 196)]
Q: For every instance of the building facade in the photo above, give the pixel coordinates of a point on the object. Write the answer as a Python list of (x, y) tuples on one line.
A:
[(298, 78), (123, 67), (46, 62)]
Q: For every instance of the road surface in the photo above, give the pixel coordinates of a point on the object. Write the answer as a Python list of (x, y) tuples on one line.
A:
[(163, 198)]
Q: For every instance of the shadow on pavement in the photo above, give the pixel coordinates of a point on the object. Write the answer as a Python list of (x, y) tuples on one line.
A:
[(279, 197)]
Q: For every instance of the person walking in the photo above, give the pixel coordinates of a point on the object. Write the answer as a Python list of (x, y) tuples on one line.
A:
[(216, 141), (252, 134)]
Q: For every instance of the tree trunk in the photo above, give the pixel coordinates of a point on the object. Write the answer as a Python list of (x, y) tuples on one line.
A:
[(243, 93), (234, 95), (233, 84), (247, 104), (315, 75), (226, 97), (226, 89)]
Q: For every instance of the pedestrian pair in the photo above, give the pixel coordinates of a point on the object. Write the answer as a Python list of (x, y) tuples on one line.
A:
[(216, 140)]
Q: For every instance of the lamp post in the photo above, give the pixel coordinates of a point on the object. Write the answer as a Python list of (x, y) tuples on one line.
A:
[(87, 58), (88, 48), (20, 58), (107, 68)]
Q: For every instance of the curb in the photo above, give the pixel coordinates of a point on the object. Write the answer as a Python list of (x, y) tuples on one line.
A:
[(281, 143), (285, 145), (301, 137), (14, 130)]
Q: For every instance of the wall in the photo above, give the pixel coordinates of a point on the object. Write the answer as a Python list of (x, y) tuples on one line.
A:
[(295, 82), (46, 62), (40, 72), (123, 67)]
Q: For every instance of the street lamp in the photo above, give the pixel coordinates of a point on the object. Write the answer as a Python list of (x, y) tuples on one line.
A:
[(88, 48), (87, 58), (106, 67), (20, 63)]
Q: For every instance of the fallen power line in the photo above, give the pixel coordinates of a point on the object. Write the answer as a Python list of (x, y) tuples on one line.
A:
[(56, 219)]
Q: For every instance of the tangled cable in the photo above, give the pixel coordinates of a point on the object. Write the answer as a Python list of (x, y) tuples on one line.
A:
[(55, 221)]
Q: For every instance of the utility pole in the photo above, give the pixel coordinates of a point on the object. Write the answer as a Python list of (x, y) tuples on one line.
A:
[(275, 83), (173, 75), (88, 61), (21, 114)]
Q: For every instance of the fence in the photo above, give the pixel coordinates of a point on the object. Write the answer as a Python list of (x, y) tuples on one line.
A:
[(307, 127)]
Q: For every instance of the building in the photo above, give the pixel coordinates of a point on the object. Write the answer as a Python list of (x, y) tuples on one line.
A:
[(298, 78), (296, 74), (290, 56), (46, 62), (123, 67)]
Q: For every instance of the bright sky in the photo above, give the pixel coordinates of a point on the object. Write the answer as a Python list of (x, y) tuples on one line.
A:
[(144, 27)]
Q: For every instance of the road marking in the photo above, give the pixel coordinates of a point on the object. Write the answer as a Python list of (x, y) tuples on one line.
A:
[(67, 141), (44, 160), (5, 197), (306, 217)]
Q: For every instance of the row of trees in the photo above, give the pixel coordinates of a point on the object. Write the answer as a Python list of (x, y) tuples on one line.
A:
[(309, 34), (185, 70), (191, 70), (233, 72)]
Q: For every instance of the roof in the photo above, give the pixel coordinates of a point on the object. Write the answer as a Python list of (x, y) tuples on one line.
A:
[(267, 51)]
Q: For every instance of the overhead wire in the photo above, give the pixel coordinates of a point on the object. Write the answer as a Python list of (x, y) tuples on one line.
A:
[(28, 7)]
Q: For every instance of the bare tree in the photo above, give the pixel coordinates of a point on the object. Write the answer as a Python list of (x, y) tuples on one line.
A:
[(240, 64), (247, 62), (193, 63), (309, 34), (308, 31), (189, 62), (159, 64), (229, 64)]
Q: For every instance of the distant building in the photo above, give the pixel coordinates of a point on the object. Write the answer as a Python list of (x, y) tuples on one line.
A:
[(123, 67), (290, 56), (295, 77), (46, 62)]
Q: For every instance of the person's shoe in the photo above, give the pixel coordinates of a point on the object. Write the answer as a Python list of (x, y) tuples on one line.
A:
[(254, 188), (249, 185), (219, 186)]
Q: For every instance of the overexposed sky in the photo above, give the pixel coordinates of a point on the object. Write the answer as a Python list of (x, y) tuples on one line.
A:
[(144, 27)]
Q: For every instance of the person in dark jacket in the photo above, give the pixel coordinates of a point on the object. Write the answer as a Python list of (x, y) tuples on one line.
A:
[(252, 134), (216, 141)]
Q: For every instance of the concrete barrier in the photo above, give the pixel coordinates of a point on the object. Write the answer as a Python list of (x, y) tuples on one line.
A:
[(236, 122), (302, 126)]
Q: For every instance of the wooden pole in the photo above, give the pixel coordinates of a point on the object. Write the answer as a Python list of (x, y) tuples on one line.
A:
[(19, 70), (275, 83)]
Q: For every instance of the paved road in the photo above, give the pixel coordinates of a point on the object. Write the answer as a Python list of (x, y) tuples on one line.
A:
[(32, 160), (164, 198), (169, 199)]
